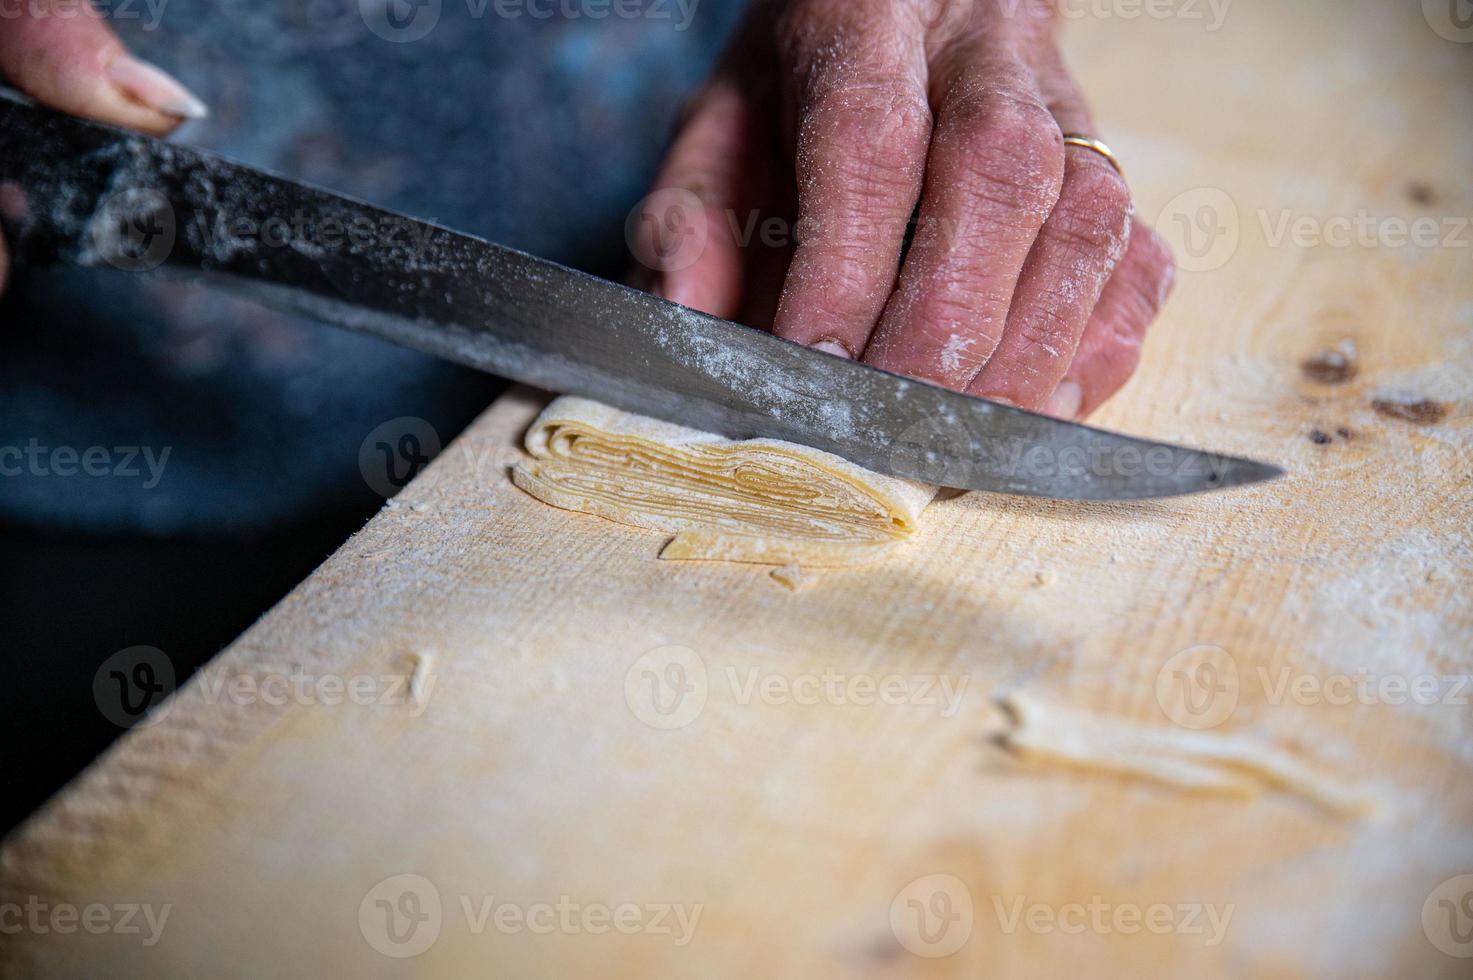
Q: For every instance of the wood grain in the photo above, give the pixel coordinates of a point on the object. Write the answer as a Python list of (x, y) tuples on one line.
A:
[(533, 767)]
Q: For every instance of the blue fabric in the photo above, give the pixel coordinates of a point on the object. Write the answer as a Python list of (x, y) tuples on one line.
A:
[(537, 132)]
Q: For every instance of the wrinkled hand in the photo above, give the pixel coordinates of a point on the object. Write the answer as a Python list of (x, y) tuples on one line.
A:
[(62, 54), (1027, 280)]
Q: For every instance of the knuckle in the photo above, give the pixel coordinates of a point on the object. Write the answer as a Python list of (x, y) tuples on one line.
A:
[(1141, 303), (1149, 276), (1093, 213), (1121, 352), (837, 276), (862, 158), (1155, 254), (1113, 354), (1011, 147), (1047, 334), (812, 35), (877, 116)]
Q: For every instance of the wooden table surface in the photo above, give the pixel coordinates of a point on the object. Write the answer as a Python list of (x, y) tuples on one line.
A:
[(512, 742)]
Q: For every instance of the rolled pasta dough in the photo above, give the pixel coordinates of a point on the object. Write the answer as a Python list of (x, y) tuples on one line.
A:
[(753, 500)]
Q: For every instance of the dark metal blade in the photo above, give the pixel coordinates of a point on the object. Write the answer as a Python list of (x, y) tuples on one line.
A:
[(80, 192)]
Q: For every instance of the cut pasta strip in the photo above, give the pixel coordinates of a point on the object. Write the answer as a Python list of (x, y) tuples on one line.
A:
[(1208, 762)]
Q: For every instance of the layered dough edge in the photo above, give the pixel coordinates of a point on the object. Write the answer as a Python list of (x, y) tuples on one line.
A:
[(752, 500)]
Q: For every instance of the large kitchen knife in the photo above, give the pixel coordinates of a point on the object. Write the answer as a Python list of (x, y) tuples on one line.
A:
[(79, 192)]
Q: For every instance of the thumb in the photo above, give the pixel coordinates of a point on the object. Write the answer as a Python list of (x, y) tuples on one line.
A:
[(63, 54)]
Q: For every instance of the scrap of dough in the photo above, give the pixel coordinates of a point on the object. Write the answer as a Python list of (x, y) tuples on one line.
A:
[(755, 500), (1208, 762), (790, 577)]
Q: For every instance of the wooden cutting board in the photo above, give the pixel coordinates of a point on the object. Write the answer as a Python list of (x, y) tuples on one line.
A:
[(591, 762)]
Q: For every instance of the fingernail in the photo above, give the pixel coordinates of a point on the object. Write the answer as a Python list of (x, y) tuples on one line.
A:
[(1065, 401), (150, 85), (833, 347)]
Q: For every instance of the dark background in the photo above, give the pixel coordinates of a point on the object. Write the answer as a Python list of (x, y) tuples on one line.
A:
[(541, 134)]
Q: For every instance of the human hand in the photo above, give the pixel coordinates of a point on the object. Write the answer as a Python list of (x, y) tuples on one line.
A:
[(62, 54), (1027, 280)]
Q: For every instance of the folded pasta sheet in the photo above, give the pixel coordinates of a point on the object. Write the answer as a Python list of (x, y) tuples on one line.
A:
[(755, 500)]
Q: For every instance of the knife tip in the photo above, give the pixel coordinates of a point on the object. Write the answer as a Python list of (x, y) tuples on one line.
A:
[(1240, 472)]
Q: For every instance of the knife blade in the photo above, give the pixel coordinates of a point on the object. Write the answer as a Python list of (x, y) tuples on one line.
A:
[(80, 192)]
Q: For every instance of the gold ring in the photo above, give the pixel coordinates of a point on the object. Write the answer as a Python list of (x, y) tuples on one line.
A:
[(1090, 143)]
